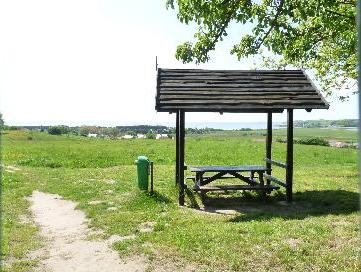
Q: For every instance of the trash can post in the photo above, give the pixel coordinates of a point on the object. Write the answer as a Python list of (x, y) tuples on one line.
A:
[(151, 177)]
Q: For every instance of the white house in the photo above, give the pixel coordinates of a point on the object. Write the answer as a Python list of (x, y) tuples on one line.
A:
[(141, 136), (161, 136), (92, 135), (127, 136)]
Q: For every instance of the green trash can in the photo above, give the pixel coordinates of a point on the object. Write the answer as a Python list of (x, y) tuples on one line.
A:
[(143, 172)]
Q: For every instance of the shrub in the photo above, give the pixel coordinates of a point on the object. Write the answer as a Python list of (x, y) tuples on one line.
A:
[(54, 130), (281, 140), (306, 141), (151, 135), (58, 130), (312, 141)]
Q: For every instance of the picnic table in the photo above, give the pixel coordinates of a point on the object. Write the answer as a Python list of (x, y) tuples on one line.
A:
[(252, 175)]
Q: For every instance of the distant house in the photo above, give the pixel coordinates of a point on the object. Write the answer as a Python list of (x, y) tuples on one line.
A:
[(141, 136), (161, 136), (92, 135), (127, 136)]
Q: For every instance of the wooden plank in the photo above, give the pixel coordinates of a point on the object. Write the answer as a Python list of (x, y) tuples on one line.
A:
[(236, 188), (241, 102), (234, 80), (289, 156), (228, 72), (212, 178), (233, 85), (269, 142), (237, 97), (219, 168), (177, 148), (225, 79), (248, 180), (243, 91), (278, 163), (275, 180), (181, 157), (238, 108)]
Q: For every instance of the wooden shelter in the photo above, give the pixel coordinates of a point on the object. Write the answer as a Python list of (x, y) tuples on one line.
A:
[(243, 91)]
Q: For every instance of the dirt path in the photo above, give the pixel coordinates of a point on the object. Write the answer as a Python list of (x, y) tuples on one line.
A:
[(68, 248)]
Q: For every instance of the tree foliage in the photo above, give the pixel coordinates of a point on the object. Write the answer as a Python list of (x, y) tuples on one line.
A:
[(1, 120), (314, 34), (58, 130)]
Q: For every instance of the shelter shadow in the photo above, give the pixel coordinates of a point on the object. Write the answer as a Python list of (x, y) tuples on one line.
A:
[(305, 204)]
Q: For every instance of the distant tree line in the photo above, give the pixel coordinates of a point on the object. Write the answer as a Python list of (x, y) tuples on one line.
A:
[(326, 123)]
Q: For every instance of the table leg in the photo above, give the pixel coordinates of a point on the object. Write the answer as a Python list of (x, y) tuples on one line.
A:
[(252, 175), (261, 181), (197, 181)]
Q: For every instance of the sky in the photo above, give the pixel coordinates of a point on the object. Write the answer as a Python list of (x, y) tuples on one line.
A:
[(88, 62)]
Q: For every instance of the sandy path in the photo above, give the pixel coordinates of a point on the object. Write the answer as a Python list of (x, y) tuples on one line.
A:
[(68, 249)]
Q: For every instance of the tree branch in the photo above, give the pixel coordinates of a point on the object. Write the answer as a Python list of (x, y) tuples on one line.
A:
[(340, 14), (225, 22), (278, 12)]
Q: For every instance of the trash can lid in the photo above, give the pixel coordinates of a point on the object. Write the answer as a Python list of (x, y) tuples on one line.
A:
[(143, 158)]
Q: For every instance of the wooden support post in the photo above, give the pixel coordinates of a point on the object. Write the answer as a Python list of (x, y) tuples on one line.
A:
[(269, 143), (181, 157), (289, 163), (177, 148)]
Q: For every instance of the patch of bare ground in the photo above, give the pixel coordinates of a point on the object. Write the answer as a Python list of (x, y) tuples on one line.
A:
[(11, 169), (66, 234), (294, 242)]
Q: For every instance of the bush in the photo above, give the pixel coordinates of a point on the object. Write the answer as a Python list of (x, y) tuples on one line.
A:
[(312, 141), (281, 140), (54, 131), (151, 135), (58, 130), (306, 141)]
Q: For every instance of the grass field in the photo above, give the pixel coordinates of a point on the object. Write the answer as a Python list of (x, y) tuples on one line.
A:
[(318, 232), (328, 134)]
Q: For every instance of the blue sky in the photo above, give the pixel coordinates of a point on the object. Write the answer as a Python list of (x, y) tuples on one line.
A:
[(91, 62)]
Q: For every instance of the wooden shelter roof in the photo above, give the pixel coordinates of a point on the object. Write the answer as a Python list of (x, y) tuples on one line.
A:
[(196, 90)]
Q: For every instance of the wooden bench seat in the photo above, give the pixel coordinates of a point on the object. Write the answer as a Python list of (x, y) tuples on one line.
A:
[(235, 188)]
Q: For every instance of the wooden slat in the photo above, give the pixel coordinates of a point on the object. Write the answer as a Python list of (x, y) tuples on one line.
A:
[(234, 96), (225, 168), (233, 85), (238, 108), (196, 72), (236, 91), (280, 164), (289, 156), (275, 180), (236, 188), (241, 102), (238, 80)]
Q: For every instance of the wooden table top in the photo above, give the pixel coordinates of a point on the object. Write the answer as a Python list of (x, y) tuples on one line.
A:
[(221, 168)]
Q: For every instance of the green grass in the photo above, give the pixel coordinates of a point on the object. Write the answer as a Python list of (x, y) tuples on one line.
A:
[(318, 232), (329, 134)]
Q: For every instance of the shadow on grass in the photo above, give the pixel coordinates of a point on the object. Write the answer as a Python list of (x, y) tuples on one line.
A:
[(253, 208), (158, 197)]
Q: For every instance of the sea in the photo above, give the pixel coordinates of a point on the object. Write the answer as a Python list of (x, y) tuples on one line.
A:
[(232, 125)]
